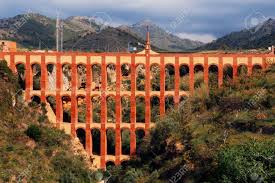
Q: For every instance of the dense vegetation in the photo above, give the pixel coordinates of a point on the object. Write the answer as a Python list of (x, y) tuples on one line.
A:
[(223, 135), (30, 148)]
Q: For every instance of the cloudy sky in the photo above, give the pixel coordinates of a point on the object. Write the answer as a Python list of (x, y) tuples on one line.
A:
[(202, 20)]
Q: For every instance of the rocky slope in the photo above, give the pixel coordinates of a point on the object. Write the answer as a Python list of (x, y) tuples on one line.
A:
[(160, 37), (261, 36)]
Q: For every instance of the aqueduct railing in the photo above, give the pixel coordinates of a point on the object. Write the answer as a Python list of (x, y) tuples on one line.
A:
[(118, 59)]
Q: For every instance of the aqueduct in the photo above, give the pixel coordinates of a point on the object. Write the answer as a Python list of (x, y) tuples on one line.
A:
[(147, 58)]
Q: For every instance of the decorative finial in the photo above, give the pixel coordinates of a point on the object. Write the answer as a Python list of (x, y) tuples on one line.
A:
[(148, 47)]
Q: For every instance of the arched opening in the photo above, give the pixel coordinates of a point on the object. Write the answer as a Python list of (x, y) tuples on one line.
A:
[(21, 72), (227, 74), (140, 109), (184, 77), (81, 77), (96, 107), (111, 77), (36, 75), (213, 76), (198, 75), (140, 77), (169, 103), (111, 109), (35, 100), (126, 77), (155, 77), (96, 77), (155, 108), (109, 165), (111, 141), (51, 100), (81, 108), (96, 141), (126, 109), (169, 77), (81, 135), (66, 77), (140, 134), (51, 70), (256, 69), (125, 141), (66, 103), (242, 70)]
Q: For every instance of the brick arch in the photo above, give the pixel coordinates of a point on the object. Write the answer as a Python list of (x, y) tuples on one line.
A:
[(242, 69), (81, 135), (36, 75), (96, 143), (155, 77), (170, 77), (101, 60), (125, 141), (213, 75), (155, 107), (256, 68), (140, 75)]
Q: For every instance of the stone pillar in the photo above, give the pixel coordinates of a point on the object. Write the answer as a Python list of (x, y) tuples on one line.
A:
[(162, 86), (133, 108), (28, 78), (177, 82), (249, 66), (74, 114), (235, 68), (89, 113), (43, 78), (59, 107), (103, 139), (118, 112), (220, 72), (191, 75), (12, 63), (147, 95), (206, 72)]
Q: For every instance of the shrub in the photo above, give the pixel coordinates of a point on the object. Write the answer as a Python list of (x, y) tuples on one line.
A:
[(247, 162), (34, 132)]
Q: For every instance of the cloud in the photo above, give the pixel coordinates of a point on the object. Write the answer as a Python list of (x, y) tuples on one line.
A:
[(206, 17), (205, 38)]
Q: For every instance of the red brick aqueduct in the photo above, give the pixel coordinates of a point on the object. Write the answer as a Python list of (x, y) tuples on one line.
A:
[(146, 58)]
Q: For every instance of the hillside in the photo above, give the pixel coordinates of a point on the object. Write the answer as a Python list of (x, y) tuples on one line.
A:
[(107, 40), (31, 149), (160, 38), (36, 30), (261, 36), (225, 135)]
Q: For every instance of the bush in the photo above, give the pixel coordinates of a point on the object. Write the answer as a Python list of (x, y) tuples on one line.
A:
[(34, 132), (247, 162)]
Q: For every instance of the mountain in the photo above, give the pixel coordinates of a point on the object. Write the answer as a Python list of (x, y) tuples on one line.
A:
[(107, 40), (261, 36), (80, 33), (161, 38)]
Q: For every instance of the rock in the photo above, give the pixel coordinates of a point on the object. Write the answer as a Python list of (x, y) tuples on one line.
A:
[(31, 144)]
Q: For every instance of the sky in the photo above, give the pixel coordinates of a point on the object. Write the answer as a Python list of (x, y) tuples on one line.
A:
[(202, 20)]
